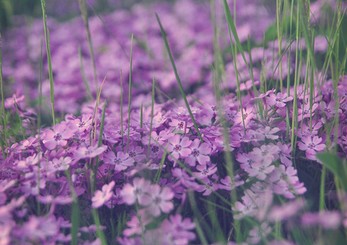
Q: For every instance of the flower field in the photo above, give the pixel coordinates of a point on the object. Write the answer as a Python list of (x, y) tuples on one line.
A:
[(174, 122)]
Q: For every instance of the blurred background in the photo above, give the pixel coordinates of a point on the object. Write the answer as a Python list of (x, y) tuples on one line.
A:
[(59, 9)]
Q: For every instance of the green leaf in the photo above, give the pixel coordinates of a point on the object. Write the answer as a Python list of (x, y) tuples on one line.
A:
[(335, 165)]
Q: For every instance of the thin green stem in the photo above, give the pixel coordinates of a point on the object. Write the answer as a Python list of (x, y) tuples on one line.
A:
[(49, 58), (163, 33)]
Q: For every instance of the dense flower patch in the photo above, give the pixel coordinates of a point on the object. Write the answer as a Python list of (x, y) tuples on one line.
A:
[(148, 174)]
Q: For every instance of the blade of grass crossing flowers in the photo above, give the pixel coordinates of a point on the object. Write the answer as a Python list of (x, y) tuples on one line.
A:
[(95, 214), (84, 13), (200, 232), (163, 33), (99, 233), (151, 122), (121, 107), (217, 78), (84, 79), (49, 57), (75, 211), (296, 82), (235, 48), (232, 28), (130, 89), (199, 220), (3, 115), (101, 132)]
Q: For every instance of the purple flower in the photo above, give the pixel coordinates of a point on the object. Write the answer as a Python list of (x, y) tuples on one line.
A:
[(61, 164), (39, 229), (228, 185), (305, 111), (161, 200), (286, 211), (311, 145), (268, 133), (279, 100), (180, 125), (204, 171), (180, 228), (121, 162), (179, 147), (200, 152), (89, 152), (49, 199), (285, 154), (138, 192), (286, 182), (158, 139), (325, 219), (245, 116), (13, 101), (258, 233), (58, 136), (103, 196)]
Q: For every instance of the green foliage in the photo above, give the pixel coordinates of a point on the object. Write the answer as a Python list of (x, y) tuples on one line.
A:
[(5, 13), (337, 166)]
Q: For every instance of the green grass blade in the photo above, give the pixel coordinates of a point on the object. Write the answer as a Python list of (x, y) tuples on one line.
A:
[(49, 57), (163, 33), (130, 89), (151, 122), (84, 79), (84, 13), (3, 113)]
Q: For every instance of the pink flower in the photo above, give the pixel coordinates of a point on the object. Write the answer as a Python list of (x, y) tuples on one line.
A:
[(89, 152), (61, 164), (311, 145), (58, 136), (305, 111), (39, 228), (103, 196), (179, 147), (200, 153), (279, 100), (325, 219), (245, 116), (13, 101), (139, 191), (160, 200), (121, 162)]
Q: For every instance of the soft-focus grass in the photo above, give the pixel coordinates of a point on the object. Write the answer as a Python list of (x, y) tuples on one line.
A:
[(49, 58)]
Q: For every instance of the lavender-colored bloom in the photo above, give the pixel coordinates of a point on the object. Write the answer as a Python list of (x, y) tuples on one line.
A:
[(48, 199), (227, 184), (325, 219), (179, 147), (58, 137), (101, 197), (311, 145), (200, 152), (161, 200), (258, 233), (89, 152), (39, 229), (268, 133), (121, 162), (286, 211), (181, 228), (279, 100), (13, 101), (138, 192), (305, 111)]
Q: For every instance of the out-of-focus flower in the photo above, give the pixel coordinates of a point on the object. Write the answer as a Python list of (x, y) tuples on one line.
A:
[(101, 197)]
